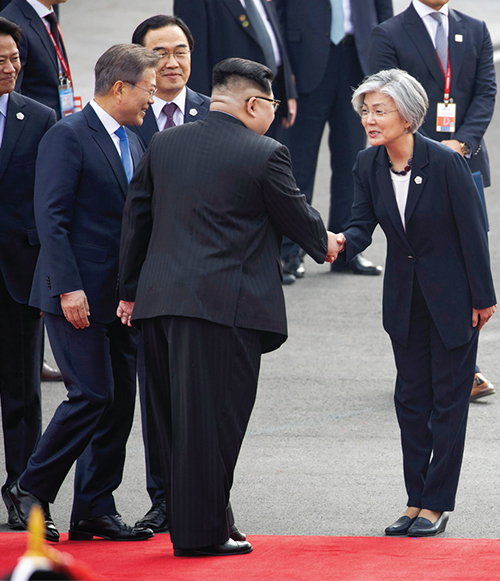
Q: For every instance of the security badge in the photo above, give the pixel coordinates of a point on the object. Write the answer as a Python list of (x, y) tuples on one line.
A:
[(446, 117)]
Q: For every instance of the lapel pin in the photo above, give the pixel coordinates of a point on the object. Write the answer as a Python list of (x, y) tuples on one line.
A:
[(20, 116), (193, 112), (459, 38), (418, 180)]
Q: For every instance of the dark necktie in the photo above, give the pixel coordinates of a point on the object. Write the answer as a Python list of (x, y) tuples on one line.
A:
[(441, 40), (125, 151), (52, 19), (169, 109), (262, 34)]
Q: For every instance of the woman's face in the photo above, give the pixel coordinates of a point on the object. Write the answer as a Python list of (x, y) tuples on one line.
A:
[(381, 119)]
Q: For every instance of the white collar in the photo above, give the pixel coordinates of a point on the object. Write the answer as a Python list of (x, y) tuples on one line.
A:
[(180, 101), (423, 10), (39, 8), (110, 123), (4, 104)]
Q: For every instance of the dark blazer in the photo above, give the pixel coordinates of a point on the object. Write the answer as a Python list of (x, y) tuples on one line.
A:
[(221, 31), (39, 76), (445, 243), (78, 214), (307, 34), (27, 121), (215, 252), (403, 42), (197, 106)]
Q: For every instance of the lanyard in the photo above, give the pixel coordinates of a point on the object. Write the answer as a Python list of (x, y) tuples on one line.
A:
[(64, 64), (447, 79)]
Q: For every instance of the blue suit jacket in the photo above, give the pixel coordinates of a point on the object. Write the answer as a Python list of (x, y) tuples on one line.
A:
[(27, 122), (221, 30), (403, 42), (80, 191), (197, 106), (445, 242), (306, 26), (39, 76)]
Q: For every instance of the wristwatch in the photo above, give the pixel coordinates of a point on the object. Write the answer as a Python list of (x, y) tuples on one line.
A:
[(465, 148)]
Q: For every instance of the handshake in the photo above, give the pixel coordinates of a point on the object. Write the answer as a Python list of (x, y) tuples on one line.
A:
[(336, 244)]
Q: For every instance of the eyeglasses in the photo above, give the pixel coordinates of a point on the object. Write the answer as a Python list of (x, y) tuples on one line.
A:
[(275, 102), (179, 55), (152, 92), (364, 113)]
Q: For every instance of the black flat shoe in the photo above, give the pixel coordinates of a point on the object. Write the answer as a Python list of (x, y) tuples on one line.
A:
[(236, 535), (156, 518), (400, 527), (110, 527), (230, 547), (423, 527)]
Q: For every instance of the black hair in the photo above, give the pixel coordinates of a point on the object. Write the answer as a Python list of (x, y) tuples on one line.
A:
[(160, 21), (234, 69), (8, 28)]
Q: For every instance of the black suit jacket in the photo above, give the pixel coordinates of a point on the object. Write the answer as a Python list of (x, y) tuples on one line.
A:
[(27, 122), (221, 30), (202, 233), (403, 42), (39, 76), (445, 242), (197, 106), (80, 190), (307, 25)]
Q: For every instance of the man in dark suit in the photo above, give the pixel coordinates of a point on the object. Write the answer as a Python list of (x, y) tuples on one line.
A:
[(408, 41), (172, 41), (204, 276), (43, 72), (82, 176), (234, 28), (327, 42), (23, 123)]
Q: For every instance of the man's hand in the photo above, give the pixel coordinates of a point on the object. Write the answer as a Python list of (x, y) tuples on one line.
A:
[(124, 312), (292, 114), (453, 144), (336, 243), (482, 316), (76, 309)]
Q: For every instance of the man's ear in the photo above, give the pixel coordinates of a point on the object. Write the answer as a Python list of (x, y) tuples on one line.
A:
[(250, 106), (117, 89)]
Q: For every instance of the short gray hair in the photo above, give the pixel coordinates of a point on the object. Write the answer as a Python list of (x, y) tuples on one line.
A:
[(407, 93), (122, 62)]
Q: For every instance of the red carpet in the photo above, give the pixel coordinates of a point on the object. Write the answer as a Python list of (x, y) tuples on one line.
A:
[(285, 558)]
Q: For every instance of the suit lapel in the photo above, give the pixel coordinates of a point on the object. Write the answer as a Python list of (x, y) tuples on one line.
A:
[(105, 143), (38, 26), (149, 126), (239, 13), (194, 109), (418, 176), (134, 150), (457, 49), (14, 127), (418, 35)]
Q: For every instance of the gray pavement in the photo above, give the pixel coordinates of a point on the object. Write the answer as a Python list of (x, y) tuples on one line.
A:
[(322, 453)]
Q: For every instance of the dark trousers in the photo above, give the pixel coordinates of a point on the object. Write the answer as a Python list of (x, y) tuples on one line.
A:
[(202, 384), (432, 402), (329, 103), (21, 358), (93, 424)]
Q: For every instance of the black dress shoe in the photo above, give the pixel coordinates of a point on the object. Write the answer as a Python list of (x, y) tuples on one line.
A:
[(235, 534), (156, 518), (230, 547), (295, 266), (358, 265), (288, 279), (110, 527), (400, 527), (12, 520), (50, 374), (423, 527), (21, 502)]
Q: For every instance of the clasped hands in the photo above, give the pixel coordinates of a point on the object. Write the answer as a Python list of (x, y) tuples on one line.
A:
[(336, 244)]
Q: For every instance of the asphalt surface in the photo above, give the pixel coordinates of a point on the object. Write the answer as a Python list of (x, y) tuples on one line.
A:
[(322, 453)]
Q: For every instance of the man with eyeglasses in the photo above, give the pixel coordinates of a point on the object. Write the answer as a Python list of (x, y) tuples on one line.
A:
[(200, 261), (175, 103), (84, 165)]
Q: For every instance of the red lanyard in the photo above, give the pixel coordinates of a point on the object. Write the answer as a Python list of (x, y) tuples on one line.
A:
[(64, 64), (447, 79)]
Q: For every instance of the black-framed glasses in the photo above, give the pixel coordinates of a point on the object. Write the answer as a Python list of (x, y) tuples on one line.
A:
[(179, 55), (152, 92), (275, 102)]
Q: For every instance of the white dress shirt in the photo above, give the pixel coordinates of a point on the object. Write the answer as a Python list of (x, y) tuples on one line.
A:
[(430, 23), (401, 185), (110, 124), (4, 103), (161, 118)]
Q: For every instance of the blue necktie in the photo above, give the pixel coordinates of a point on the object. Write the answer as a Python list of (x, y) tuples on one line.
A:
[(125, 150), (337, 30)]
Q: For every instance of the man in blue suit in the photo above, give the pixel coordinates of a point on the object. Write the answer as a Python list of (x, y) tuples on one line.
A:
[(83, 169), (408, 42), (23, 124), (170, 38), (42, 71), (327, 42)]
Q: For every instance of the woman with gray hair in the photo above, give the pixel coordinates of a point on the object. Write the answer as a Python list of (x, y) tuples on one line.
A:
[(438, 288)]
